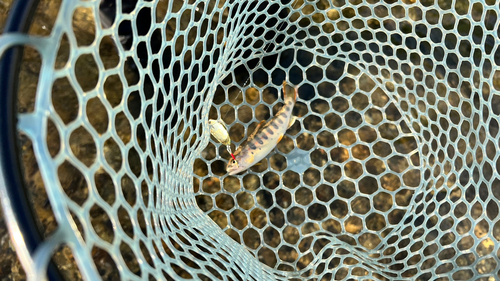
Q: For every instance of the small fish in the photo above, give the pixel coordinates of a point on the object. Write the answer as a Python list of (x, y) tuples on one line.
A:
[(219, 131), (266, 135)]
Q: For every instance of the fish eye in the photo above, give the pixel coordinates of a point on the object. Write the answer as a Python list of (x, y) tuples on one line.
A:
[(234, 161)]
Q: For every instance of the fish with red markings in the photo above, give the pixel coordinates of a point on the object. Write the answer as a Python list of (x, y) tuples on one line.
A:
[(266, 135)]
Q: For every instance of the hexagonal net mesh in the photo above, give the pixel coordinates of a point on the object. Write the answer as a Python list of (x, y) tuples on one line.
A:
[(390, 172)]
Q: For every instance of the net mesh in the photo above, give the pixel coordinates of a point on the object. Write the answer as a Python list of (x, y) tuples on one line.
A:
[(390, 172)]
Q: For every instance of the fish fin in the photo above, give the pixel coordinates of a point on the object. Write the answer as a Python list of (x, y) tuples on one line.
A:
[(256, 129), (279, 139), (238, 150), (290, 92), (292, 120), (249, 158)]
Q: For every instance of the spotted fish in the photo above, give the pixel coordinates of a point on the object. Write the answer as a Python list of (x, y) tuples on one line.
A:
[(266, 135)]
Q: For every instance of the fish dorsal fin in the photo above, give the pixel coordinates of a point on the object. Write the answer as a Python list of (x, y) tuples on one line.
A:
[(238, 150), (252, 135), (290, 92), (256, 129)]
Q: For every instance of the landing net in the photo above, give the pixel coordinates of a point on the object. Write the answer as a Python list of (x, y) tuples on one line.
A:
[(391, 171)]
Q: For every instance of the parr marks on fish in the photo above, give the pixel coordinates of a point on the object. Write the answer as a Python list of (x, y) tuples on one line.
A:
[(266, 135), (252, 145)]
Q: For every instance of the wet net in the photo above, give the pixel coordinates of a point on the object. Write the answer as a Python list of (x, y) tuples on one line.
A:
[(391, 171)]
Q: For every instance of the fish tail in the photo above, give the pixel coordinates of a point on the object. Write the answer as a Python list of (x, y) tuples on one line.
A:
[(290, 92)]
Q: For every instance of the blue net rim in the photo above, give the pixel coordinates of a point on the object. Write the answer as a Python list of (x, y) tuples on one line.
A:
[(18, 20)]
